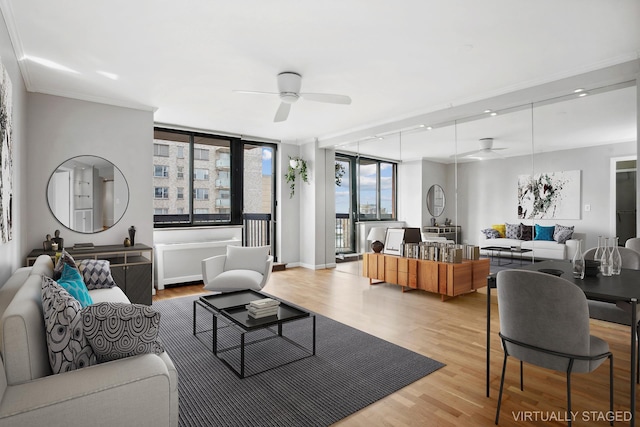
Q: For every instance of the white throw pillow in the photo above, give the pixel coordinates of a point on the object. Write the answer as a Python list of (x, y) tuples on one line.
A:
[(246, 258)]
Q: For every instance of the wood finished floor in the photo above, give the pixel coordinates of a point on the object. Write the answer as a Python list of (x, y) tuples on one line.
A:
[(452, 332)]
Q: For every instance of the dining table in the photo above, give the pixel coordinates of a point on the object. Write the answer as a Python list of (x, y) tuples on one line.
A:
[(624, 287)]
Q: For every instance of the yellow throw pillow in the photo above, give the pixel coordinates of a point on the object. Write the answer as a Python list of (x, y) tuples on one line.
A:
[(500, 228)]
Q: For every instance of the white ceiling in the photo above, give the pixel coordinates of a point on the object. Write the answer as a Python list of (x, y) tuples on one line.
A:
[(400, 62)]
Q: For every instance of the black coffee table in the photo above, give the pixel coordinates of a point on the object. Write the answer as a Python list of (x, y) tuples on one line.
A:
[(512, 250), (233, 331)]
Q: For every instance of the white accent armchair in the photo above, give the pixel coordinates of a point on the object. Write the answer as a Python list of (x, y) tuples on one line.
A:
[(241, 268)]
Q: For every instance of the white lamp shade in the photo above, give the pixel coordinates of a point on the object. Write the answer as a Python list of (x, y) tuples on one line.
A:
[(377, 234)]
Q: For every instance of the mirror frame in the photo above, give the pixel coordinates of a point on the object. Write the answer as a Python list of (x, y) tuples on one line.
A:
[(434, 210), (67, 165)]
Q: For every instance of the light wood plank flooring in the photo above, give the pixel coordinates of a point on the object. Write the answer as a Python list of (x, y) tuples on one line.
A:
[(452, 332)]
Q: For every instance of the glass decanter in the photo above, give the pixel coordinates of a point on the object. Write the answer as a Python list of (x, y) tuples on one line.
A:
[(578, 262), (605, 259), (616, 259)]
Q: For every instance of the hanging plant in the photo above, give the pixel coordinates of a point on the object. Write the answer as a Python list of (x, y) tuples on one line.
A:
[(297, 166), (340, 171)]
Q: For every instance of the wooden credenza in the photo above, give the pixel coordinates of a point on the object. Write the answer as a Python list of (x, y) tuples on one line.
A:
[(444, 278), (131, 267)]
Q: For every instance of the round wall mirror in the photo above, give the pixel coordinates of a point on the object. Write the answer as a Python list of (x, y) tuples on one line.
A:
[(435, 200), (87, 194)]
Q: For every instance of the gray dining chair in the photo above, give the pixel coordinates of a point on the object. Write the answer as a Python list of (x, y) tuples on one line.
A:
[(633, 243), (544, 321)]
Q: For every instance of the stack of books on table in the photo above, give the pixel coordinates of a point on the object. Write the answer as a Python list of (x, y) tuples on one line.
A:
[(263, 308)]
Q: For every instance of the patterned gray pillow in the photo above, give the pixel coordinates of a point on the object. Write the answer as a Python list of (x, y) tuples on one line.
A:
[(513, 231), (96, 273), (68, 347), (64, 258), (562, 233), (118, 330), (491, 233)]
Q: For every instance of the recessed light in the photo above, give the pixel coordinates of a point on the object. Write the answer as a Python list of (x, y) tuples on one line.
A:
[(429, 128), (420, 126), (583, 94), (487, 111), (578, 90), (493, 114)]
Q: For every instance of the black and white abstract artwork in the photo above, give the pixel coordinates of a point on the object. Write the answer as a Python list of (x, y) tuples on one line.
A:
[(549, 195), (6, 156)]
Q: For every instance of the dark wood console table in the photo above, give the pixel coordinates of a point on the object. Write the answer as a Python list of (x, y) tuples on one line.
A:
[(131, 267)]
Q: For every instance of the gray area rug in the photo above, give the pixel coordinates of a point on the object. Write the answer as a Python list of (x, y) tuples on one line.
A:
[(351, 369)]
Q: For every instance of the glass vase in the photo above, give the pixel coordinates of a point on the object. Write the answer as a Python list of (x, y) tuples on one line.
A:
[(597, 255), (578, 262), (605, 259), (616, 259)]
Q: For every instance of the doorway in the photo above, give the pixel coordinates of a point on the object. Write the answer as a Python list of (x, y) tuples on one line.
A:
[(625, 203)]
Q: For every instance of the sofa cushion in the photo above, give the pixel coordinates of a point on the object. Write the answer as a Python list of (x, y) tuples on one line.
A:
[(68, 347), (72, 282), (526, 232), (562, 233), (543, 233), (117, 330), (63, 259), (96, 273), (43, 266), (491, 233), (247, 258), (512, 231), (501, 228)]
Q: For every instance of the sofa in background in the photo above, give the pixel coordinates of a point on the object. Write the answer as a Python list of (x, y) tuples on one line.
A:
[(552, 242), (140, 390)]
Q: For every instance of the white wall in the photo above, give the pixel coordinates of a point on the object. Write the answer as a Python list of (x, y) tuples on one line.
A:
[(488, 195), (13, 253), (287, 210), (60, 128)]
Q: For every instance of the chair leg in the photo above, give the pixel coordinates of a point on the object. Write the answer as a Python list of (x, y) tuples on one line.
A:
[(611, 387), (638, 354), (504, 367), (569, 396), (521, 377)]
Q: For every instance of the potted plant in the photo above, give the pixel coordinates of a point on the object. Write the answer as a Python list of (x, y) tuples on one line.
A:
[(297, 167)]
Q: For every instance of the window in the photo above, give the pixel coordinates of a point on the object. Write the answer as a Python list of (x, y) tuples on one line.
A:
[(201, 174), (161, 171), (161, 150), (201, 194), (201, 154), (161, 192), (204, 190)]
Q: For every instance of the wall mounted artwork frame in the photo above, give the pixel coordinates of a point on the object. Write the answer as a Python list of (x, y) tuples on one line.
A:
[(393, 241), (549, 195), (6, 156)]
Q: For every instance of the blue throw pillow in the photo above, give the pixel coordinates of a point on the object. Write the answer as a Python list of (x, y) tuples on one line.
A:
[(72, 282), (543, 233)]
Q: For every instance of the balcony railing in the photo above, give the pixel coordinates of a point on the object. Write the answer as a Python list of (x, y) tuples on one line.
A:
[(223, 163), (223, 203), (344, 233), (222, 183), (256, 230)]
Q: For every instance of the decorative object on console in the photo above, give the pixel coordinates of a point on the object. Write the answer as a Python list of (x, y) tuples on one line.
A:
[(297, 167), (376, 236), (46, 245), (127, 242), (58, 240), (132, 235), (393, 241), (549, 195)]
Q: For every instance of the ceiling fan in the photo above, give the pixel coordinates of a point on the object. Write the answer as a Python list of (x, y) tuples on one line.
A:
[(485, 152), (289, 84)]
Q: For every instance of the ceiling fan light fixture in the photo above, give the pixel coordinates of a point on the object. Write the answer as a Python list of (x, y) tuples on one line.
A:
[(289, 97)]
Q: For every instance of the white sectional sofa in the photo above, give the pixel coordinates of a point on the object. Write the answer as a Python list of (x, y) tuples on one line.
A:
[(540, 249), (139, 390)]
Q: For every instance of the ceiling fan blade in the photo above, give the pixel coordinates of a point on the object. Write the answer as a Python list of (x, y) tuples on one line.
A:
[(465, 154), (283, 112), (330, 98), (255, 92)]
